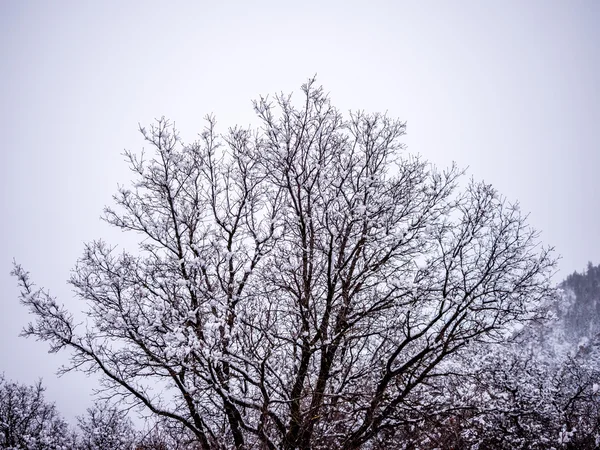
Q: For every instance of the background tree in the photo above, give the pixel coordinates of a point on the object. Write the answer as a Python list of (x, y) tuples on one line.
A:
[(28, 422), (297, 286), (105, 427)]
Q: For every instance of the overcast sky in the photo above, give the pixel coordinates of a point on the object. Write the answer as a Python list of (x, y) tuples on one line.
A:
[(509, 89)]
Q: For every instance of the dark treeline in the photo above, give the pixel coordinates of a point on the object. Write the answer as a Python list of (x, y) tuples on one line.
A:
[(581, 312)]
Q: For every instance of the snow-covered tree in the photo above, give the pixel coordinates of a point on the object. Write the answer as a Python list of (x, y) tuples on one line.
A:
[(28, 422), (297, 286), (523, 397), (105, 427)]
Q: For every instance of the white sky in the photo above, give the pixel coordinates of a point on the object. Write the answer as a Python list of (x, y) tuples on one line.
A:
[(510, 89)]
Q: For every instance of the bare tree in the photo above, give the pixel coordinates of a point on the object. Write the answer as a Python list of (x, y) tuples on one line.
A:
[(296, 285)]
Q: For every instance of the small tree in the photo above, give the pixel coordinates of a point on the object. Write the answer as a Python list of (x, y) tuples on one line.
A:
[(28, 422), (296, 285), (106, 428)]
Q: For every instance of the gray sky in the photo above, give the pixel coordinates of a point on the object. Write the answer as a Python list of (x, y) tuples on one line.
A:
[(508, 88)]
